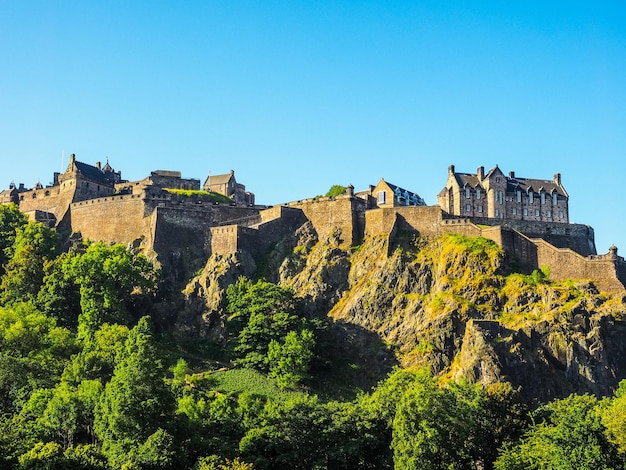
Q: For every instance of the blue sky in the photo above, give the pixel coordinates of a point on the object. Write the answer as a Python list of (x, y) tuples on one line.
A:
[(297, 96)]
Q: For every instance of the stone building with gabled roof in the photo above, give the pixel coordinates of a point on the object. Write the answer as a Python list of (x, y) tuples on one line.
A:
[(495, 195), (390, 195), (228, 186)]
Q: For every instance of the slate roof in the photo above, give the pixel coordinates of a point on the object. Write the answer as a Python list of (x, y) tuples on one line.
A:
[(525, 184), (467, 178), (513, 184), (412, 195), (219, 179), (91, 172)]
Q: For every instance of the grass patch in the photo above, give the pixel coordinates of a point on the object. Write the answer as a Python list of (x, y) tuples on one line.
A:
[(207, 195)]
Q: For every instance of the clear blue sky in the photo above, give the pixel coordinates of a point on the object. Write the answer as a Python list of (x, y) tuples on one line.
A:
[(297, 96)]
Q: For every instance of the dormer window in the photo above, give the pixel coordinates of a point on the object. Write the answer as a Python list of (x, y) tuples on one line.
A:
[(519, 196), (554, 199), (382, 197), (543, 197), (477, 193), (531, 197), (467, 193)]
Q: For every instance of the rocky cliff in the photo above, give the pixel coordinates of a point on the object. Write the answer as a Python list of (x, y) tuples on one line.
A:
[(450, 304)]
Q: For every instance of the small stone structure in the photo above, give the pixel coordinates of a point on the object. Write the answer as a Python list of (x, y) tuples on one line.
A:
[(227, 185)]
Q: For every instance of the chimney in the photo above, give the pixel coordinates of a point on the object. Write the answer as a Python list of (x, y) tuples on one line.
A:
[(557, 178), (480, 173), (350, 190), (55, 181), (511, 174), (98, 166), (451, 170), (21, 188)]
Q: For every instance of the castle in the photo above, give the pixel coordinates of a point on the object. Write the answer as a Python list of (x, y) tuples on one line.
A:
[(528, 218)]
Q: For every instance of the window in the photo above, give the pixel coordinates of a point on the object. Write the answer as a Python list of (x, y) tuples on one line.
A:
[(478, 194), (554, 199), (514, 211), (497, 212), (536, 212), (382, 197), (480, 208), (467, 193), (561, 216), (548, 213), (499, 197), (525, 210), (519, 196), (468, 208), (543, 198), (531, 197)]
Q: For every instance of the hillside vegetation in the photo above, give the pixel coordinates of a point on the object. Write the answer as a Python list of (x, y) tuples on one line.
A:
[(429, 353)]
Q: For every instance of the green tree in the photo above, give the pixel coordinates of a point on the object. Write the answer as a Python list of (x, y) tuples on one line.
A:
[(33, 353), (568, 434), (59, 296), (136, 403), (336, 190), (289, 362), (34, 246), (259, 313), (10, 220), (614, 418), (111, 278)]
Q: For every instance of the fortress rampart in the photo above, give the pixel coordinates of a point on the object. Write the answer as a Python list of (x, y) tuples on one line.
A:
[(183, 229)]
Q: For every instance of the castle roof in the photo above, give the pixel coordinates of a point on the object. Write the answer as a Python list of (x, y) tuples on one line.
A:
[(220, 179), (513, 183), (464, 179), (413, 196), (525, 184)]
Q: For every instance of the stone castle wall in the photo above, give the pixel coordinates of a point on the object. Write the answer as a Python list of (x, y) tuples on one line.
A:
[(579, 238), (342, 214), (119, 219)]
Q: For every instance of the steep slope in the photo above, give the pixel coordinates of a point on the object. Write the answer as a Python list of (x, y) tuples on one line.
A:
[(449, 304)]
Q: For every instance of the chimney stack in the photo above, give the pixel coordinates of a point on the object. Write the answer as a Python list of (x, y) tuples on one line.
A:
[(98, 166), (451, 170), (480, 173), (557, 178), (511, 174)]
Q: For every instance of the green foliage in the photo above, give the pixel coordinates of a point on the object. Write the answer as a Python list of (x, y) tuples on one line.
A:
[(35, 245), (289, 362), (33, 352), (259, 312), (614, 418), (568, 434), (59, 296), (207, 195), (336, 190), (136, 402), (110, 277), (10, 220)]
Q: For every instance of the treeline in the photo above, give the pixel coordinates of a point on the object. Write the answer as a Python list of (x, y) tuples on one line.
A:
[(87, 383)]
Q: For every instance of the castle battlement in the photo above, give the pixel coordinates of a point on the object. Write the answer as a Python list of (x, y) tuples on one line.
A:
[(185, 228)]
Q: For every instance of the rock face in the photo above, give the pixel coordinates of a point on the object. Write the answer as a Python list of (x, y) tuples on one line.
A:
[(448, 304)]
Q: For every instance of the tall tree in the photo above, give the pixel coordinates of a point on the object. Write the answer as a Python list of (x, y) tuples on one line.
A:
[(34, 246), (136, 402), (10, 219), (110, 279)]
